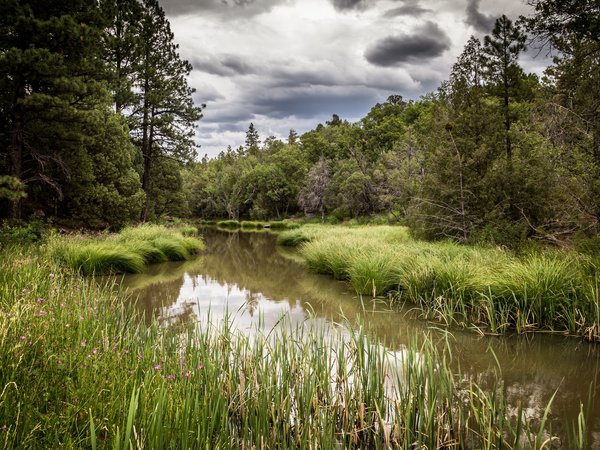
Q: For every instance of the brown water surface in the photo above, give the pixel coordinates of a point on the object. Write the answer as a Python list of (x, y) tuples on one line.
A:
[(247, 277)]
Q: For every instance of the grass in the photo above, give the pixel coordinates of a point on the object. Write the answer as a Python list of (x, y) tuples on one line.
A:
[(130, 251), (80, 369), (488, 289), (228, 224)]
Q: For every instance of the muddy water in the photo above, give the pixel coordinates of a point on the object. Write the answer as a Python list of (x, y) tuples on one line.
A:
[(248, 278)]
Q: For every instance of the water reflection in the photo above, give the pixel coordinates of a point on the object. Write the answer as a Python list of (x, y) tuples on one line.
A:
[(247, 277)]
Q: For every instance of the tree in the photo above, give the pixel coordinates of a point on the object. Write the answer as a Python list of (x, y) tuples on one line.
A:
[(164, 112), (252, 139), (122, 47), (573, 94), (48, 79), (501, 52), (312, 195)]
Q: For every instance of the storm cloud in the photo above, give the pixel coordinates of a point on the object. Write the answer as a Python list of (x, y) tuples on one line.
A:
[(412, 9), (225, 8), (481, 22), (428, 41), (342, 5)]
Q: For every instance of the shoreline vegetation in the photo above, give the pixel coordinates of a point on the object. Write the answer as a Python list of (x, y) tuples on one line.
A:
[(128, 251), (485, 288), (80, 368)]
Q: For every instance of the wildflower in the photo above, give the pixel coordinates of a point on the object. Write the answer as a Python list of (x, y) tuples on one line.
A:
[(126, 352), (41, 312), (60, 362), (62, 305), (114, 348), (157, 367), (51, 275), (94, 351), (80, 317), (67, 325), (22, 337), (187, 374), (131, 372), (39, 300), (200, 366), (83, 343), (170, 377)]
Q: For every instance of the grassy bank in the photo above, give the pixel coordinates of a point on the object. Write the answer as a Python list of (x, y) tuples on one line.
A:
[(79, 369), (129, 251), (487, 288)]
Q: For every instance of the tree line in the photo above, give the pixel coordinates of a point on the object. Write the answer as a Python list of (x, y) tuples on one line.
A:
[(97, 127), (494, 154), (96, 115)]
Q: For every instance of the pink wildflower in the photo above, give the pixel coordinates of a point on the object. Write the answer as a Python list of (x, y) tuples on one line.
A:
[(170, 377), (83, 343), (22, 337), (157, 367), (187, 374)]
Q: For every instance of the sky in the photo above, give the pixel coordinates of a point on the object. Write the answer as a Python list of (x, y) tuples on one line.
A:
[(284, 64)]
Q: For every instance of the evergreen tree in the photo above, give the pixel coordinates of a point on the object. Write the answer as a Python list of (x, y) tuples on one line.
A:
[(501, 54), (49, 65), (164, 112), (252, 139)]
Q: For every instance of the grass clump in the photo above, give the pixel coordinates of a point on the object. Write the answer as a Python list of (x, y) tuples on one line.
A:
[(228, 224), (252, 224), (127, 252)]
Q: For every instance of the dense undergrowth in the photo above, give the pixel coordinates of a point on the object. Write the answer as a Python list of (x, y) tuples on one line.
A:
[(483, 287), (80, 369), (126, 252)]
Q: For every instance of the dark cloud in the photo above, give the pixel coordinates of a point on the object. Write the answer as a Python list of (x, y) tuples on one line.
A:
[(310, 102), (475, 18), (227, 8), (343, 5), (411, 9), (428, 41), (223, 65)]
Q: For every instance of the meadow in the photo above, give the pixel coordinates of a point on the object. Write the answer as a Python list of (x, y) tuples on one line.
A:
[(489, 289), (80, 368)]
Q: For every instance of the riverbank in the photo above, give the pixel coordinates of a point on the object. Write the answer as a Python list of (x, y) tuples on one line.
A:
[(489, 289), (80, 368)]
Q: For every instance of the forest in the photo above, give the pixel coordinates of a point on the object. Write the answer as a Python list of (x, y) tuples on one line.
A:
[(98, 123)]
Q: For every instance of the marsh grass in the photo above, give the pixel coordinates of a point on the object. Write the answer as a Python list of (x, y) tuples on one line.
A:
[(127, 252), (80, 369), (488, 289), (228, 224)]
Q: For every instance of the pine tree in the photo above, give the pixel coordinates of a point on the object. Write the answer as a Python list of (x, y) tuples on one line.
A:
[(503, 73), (164, 110), (252, 139), (49, 65)]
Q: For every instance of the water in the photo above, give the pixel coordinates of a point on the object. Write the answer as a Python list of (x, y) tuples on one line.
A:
[(252, 280)]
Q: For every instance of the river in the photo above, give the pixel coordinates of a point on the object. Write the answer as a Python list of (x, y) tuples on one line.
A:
[(246, 277)]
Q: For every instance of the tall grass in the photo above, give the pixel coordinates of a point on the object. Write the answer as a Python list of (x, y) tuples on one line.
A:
[(79, 369), (485, 288), (127, 252)]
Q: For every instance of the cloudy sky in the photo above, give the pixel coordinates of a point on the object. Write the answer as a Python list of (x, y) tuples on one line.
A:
[(285, 64)]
